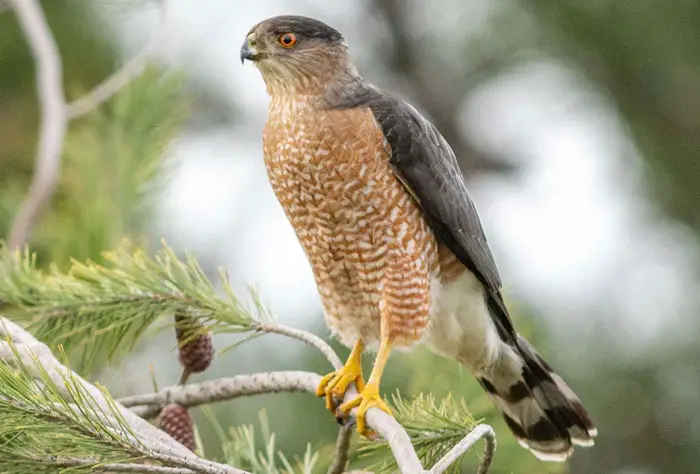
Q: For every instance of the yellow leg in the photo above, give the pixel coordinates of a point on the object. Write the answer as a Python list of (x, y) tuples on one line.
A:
[(369, 397), (334, 385)]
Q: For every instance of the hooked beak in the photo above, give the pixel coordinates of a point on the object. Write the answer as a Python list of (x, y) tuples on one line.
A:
[(247, 52)]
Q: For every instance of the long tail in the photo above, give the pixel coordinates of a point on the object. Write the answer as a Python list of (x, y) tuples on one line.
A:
[(543, 413)]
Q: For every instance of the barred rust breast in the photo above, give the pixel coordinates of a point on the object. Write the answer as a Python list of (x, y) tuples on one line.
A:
[(372, 253)]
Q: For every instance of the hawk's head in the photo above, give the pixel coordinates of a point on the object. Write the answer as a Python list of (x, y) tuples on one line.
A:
[(295, 51)]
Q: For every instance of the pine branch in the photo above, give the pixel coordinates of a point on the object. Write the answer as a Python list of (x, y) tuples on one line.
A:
[(117, 301), (54, 464), (150, 405), (273, 384), (211, 391), (429, 433), (50, 413), (453, 457), (440, 433)]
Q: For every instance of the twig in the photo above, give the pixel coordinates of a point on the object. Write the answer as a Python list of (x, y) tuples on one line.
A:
[(168, 451), (55, 112), (264, 383), (306, 337), (274, 382), (141, 468), (54, 123), (342, 451), (161, 446), (128, 72), (149, 405), (116, 467), (479, 431)]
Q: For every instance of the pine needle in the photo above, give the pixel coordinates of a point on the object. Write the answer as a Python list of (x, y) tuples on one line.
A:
[(43, 431), (434, 429), (104, 309), (241, 450), (116, 161)]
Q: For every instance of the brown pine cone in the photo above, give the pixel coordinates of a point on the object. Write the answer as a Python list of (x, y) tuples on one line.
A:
[(197, 353), (176, 421)]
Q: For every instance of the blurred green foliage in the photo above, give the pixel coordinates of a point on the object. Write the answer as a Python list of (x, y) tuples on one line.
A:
[(87, 59), (645, 56), (114, 163)]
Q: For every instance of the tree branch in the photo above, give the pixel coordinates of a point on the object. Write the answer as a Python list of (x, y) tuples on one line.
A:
[(149, 405), (142, 468), (307, 337), (55, 112), (115, 467), (54, 123), (192, 395), (161, 446), (168, 451), (479, 432), (128, 72), (342, 450), (342, 447)]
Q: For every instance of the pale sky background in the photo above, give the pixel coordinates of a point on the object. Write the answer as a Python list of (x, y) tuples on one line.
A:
[(571, 233)]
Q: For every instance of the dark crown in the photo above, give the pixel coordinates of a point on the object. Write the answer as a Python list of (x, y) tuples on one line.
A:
[(304, 27)]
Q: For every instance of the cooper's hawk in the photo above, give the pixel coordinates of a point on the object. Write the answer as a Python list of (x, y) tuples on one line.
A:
[(380, 207)]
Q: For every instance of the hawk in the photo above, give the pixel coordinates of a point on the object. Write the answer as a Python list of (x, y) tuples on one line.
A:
[(398, 253)]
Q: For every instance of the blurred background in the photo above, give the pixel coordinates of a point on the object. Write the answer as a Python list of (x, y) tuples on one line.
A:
[(576, 123)]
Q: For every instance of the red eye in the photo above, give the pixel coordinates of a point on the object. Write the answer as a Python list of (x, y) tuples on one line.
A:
[(287, 40)]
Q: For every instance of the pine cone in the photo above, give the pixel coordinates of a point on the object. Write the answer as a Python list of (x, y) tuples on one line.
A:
[(176, 421), (196, 354)]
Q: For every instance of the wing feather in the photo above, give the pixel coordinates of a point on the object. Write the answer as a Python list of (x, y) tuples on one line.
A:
[(425, 164)]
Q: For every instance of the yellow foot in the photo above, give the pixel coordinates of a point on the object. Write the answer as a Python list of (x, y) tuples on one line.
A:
[(368, 398), (334, 385)]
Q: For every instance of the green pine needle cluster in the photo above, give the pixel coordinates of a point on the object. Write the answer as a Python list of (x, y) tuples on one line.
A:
[(434, 428), (115, 164), (103, 309), (43, 430), (241, 450)]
